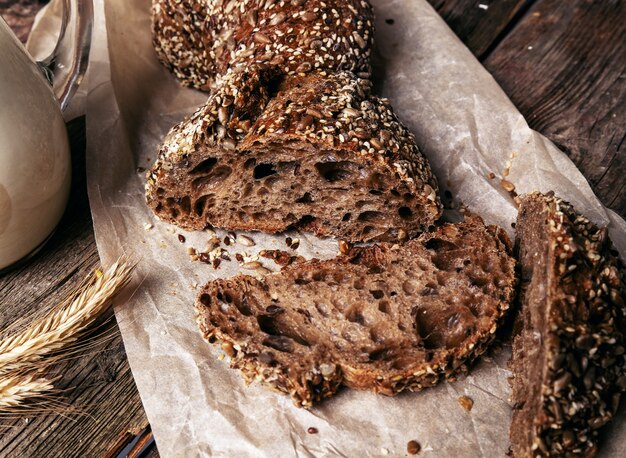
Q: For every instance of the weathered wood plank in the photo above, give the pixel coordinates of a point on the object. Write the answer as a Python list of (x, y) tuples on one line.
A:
[(99, 390), (480, 23), (564, 67)]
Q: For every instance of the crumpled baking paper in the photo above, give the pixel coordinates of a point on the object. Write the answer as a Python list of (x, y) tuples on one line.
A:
[(196, 405)]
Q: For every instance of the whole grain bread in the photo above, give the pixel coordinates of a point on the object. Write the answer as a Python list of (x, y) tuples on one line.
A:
[(385, 318), (201, 40), (318, 152), (568, 355)]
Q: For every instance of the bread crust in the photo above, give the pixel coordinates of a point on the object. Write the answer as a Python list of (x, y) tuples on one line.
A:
[(307, 348), (202, 40), (573, 301)]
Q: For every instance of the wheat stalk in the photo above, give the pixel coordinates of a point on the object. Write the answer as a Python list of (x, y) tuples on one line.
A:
[(16, 388), (63, 325)]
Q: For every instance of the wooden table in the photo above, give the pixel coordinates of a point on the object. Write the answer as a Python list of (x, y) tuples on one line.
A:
[(562, 63)]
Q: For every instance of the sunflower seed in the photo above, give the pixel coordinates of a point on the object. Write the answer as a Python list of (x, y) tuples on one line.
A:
[(261, 38), (245, 241), (278, 18)]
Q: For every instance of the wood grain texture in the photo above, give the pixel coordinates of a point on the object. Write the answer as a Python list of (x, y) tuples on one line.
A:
[(480, 23), (564, 67), (98, 388)]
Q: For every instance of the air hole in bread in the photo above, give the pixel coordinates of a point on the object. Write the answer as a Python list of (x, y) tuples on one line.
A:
[(445, 262), (355, 314), (405, 212), (384, 307), (280, 343), (160, 192), (263, 170), (249, 163), (198, 206), (367, 230), (439, 245), (271, 326), (479, 282), (382, 354), (336, 171), (217, 176), (370, 216), (306, 220), (305, 199), (185, 204), (346, 217), (240, 302), (206, 299), (204, 166), (377, 293), (375, 270)]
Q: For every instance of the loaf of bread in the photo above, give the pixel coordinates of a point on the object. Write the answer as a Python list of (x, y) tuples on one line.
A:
[(568, 356), (201, 40), (318, 153), (385, 318)]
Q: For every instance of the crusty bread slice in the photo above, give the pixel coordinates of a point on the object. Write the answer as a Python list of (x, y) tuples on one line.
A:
[(201, 40), (385, 318), (568, 357), (317, 152)]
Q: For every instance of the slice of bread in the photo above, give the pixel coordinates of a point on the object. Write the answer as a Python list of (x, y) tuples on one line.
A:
[(201, 40), (319, 153), (568, 355), (385, 318)]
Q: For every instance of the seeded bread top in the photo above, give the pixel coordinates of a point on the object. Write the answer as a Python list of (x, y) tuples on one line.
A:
[(201, 40), (335, 111)]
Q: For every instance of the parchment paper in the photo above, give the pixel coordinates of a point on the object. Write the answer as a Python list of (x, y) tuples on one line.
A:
[(196, 405)]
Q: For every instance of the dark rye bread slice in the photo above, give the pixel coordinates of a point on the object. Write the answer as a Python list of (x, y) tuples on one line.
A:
[(568, 357), (319, 153), (385, 318), (201, 40)]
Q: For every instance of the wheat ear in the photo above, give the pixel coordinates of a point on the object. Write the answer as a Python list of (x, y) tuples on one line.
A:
[(17, 388), (64, 324)]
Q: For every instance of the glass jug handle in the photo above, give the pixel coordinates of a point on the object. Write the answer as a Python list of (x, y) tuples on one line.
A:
[(66, 66)]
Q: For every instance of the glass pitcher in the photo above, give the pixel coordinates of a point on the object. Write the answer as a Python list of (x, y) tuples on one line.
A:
[(35, 167)]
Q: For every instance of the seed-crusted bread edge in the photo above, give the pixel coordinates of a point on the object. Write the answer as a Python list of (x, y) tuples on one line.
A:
[(585, 348)]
